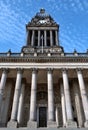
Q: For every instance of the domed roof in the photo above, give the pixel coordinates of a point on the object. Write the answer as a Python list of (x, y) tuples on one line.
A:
[(42, 18), (42, 14)]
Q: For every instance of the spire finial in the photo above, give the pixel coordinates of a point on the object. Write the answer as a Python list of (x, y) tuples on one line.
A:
[(42, 10)]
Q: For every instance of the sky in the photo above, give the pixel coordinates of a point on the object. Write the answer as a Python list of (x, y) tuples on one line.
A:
[(71, 15)]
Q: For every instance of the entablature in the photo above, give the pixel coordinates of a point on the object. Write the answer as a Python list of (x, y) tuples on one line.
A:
[(44, 59), (42, 27)]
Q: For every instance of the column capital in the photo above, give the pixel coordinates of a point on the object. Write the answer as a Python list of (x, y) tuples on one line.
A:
[(50, 31), (5, 70), (20, 70), (64, 70), (50, 70), (79, 70), (34, 70)]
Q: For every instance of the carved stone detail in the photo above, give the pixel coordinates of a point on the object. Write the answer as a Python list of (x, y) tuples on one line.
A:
[(42, 18)]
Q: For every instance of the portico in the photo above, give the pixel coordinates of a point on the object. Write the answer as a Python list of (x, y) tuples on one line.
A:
[(45, 92)]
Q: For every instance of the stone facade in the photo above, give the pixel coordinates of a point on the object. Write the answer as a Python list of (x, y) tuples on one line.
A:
[(43, 86)]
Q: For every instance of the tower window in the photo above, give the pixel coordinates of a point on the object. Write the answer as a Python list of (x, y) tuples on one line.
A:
[(41, 37), (29, 37), (54, 38), (48, 38), (36, 38)]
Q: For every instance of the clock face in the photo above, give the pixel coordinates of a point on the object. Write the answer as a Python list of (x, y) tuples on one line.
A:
[(42, 21)]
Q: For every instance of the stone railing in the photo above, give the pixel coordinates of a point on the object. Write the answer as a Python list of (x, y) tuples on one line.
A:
[(66, 57)]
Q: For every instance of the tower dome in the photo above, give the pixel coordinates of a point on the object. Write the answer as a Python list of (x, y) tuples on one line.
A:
[(41, 18), (42, 14)]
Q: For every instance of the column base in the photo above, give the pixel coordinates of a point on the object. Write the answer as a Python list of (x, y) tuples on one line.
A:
[(86, 124), (32, 124), (71, 124), (2, 124), (51, 124), (12, 124)]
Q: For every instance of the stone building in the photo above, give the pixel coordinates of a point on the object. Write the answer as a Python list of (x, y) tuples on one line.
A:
[(42, 86)]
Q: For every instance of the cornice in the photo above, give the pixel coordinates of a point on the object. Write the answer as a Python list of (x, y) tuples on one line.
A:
[(60, 59)]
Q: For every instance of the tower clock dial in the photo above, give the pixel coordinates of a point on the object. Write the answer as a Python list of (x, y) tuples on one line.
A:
[(42, 21)]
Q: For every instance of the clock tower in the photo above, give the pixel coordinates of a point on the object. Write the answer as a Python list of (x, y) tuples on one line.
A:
[(43, 87), (42, 34)]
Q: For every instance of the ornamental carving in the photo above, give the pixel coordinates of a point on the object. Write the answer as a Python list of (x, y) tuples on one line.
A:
[(42, 18), (52, 50)]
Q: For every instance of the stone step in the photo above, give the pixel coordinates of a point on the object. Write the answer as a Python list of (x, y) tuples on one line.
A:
[(43, 128)]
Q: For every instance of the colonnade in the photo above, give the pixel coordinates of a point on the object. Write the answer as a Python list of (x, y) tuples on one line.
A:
[(16, 114), (51, 35)]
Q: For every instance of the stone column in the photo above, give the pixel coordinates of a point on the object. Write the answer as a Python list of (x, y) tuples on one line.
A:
[(57, 114), (13, 121), (32, 117), (51, 38), (38, 37), (70, 122), (50, 96), (83, 95), (33, 38), (63, 104), (51, 114), (27, 40), (78, 104), (20, 108), (45, 38), (56, 37), (5, 104), (2, 85)]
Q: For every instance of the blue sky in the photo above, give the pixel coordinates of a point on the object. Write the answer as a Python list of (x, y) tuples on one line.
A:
[(71, 15)]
